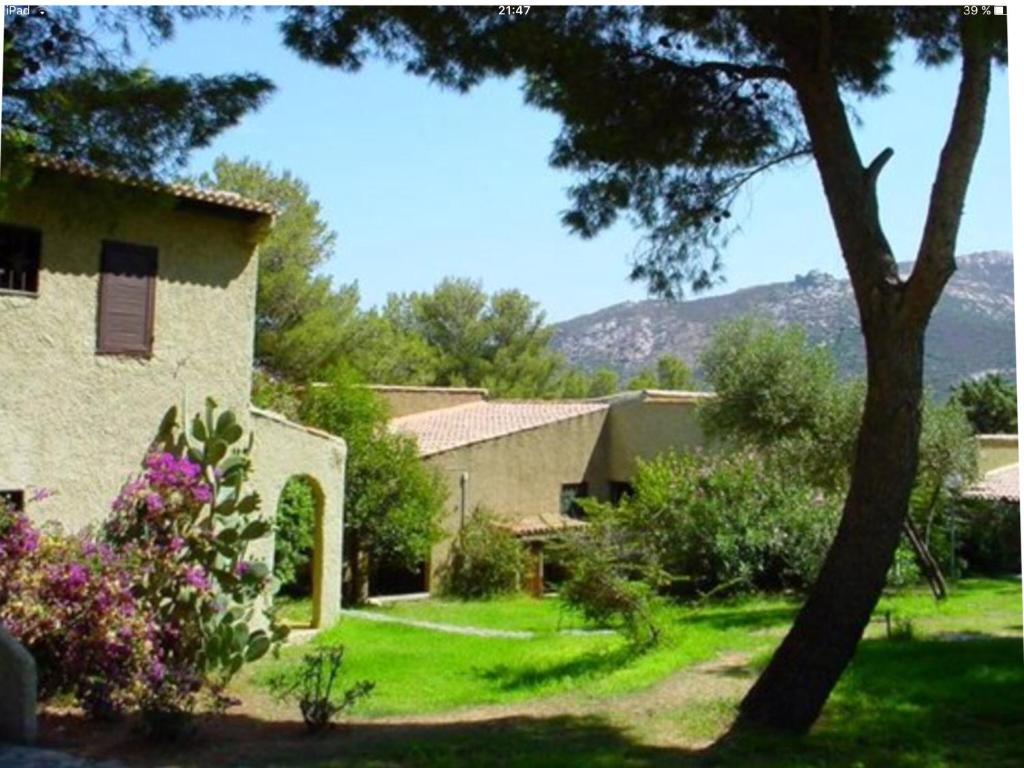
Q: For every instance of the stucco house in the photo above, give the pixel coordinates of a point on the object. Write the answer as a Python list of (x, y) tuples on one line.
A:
[(118, 299), (528, 461)]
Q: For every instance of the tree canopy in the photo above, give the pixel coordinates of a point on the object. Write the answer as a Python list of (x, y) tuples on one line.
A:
[(393, 502), (498, 341), (304, 325), (667, 111), (68, 90), (991, 404)]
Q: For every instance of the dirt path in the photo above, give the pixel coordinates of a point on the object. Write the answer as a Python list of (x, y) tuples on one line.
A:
[(724, 679)]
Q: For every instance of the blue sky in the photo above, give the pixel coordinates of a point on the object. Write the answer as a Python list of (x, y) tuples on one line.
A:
[(422, 183)]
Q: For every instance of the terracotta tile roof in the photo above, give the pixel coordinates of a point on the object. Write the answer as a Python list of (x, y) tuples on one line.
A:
[(1001, 484), (212, 197), (448, 428), (543, 525), (441, 390)]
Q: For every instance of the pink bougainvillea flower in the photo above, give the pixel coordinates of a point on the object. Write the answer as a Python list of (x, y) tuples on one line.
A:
[(196, 578)]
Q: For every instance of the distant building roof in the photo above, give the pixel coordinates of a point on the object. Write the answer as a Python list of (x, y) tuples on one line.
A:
[(1001, 484), (658, 396), (445, 429), (211, 197), (441, 390)]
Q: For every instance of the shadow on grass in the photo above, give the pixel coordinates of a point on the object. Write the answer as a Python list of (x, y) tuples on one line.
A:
[(905, 705), (743, 618), (516, 742), (588, 665), (913, 703)]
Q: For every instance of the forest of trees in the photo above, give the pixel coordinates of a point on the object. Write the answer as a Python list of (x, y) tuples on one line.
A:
[(455, 335)]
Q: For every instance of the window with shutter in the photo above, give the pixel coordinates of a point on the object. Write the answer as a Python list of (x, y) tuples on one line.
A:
[(127, 293), (19, 259)]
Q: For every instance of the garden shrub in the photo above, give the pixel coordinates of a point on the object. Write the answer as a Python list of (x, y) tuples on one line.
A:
[(393, 501), (485, 560), (713, 523), (987, 537), (294, 537), (607, 585), (69, 602)]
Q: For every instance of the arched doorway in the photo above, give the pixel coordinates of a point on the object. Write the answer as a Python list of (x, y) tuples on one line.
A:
[(298, 550)]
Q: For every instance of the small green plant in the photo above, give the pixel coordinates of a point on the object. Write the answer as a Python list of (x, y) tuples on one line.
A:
[(899, 630), (485, 560), (313, 688)]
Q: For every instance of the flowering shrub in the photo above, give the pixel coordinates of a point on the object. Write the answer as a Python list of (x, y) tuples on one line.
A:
[(157, 609), (184, 524), (69, 601)]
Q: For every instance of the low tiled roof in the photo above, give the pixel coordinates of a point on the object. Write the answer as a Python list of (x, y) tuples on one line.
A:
[(658, 396), (441, 390), (543, 525), (214, 197), (448, 428), (998, 485)]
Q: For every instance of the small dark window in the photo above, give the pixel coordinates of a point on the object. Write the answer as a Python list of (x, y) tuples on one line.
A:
[(618, 490), (13, 499), (19, 259), (127, 293), (568, 500)]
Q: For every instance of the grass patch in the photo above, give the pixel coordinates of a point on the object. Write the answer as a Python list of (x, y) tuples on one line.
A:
[(421, 671), (920, 704), (518, 613), (294, 611), (934, 701)]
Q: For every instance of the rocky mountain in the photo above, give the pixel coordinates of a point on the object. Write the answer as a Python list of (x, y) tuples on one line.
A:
[(971, 331)]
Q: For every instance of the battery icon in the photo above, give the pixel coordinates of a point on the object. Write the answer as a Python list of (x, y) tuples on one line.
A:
[(1000, 10)]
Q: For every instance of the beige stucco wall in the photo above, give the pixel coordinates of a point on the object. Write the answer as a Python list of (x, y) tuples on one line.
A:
[(281, 450), (403, 401), (77, 422), (996, 451), (521, 474), (641, 428)]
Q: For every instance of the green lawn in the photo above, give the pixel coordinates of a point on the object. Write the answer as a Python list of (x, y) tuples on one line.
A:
[(515, 613), (294, 611), (951, 697), (420, 671)]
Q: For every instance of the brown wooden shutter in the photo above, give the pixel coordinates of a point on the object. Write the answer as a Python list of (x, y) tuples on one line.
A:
[(127, 292)]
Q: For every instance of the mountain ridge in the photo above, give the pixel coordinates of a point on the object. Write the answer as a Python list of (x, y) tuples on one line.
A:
[(971, 332)]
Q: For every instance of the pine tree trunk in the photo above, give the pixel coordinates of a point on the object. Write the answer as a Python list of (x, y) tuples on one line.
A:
[(791, 692), (894, 313)]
